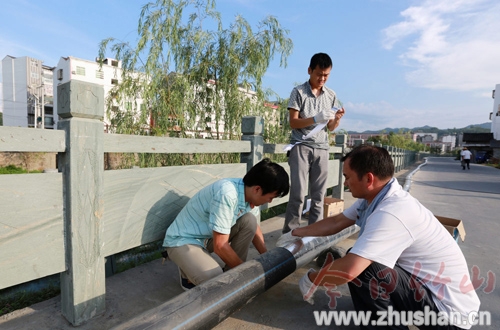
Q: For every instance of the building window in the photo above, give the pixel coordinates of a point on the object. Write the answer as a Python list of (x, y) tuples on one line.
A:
[(80, 70), (99, 74), (114, 81)]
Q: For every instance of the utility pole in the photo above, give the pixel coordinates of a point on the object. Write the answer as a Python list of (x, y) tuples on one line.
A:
[(39, 106), (42, 108)]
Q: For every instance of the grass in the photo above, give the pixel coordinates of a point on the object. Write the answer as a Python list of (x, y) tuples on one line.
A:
[(11, 169), (24, 299)]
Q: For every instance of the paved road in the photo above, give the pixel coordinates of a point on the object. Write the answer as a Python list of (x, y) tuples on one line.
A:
[(441, 185)]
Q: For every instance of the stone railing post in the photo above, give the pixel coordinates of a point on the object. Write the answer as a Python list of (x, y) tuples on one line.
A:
[(81, 105), (338, 190), (252, 128)]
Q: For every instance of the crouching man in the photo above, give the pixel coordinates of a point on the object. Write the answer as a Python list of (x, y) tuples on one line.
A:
[(403, 260), (221, 218)]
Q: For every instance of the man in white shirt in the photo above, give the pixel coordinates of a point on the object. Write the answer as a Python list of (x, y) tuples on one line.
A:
[(465, 155), (403, 260)]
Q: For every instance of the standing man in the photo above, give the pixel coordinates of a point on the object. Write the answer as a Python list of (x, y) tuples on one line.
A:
[(310, 104), (403, 260), (465, 155), (221, 218)]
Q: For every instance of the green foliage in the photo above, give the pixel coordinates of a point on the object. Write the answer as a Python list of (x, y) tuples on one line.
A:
[(1, 118), (276, 124), (190, 71), (24, 299), (402, 140), (11, 169)]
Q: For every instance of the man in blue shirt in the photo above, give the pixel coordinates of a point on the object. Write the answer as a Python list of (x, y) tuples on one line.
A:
[(221, 218)]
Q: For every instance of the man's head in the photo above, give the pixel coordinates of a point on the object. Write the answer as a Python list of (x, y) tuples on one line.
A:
[(366, 170), (319, 69), (266, 180)]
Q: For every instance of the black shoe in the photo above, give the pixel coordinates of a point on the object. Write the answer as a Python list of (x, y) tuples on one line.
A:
[(336, 251), (185, 283)]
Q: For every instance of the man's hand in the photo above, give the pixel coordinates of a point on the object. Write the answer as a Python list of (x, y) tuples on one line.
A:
[(224, 250), (339, 114), (324, 116), (287, 239), (307, 287)]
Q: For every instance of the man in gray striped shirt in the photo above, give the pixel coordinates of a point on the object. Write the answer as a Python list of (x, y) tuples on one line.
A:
[(221, 218), (310, 105)]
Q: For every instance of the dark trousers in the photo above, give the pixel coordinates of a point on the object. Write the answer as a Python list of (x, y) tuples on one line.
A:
[(379, 287), (466, 162)]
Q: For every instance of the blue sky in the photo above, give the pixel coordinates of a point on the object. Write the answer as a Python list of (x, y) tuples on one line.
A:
[(397, 63)]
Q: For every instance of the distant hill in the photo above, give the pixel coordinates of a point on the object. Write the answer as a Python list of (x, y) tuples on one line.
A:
[(477, 128)]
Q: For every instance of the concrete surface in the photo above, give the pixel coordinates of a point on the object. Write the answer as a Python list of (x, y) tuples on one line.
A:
[(441, 185)]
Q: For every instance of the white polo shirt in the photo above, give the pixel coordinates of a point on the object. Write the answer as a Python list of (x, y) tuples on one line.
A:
[(403, 231)]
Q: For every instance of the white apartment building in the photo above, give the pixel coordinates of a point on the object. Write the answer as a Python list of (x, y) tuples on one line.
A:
[(450, 141), (108, 76), (495, 115), (27, 93)]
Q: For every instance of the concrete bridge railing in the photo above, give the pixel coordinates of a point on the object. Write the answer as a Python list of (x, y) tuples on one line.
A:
[(70, 221)]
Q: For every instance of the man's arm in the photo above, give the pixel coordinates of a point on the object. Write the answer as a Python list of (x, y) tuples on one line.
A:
[(325, 227), (296, 121), (258, 241), (340, 271), (224, 250)]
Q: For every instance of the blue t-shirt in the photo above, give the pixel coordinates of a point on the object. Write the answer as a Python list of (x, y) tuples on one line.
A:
[(214, 208)]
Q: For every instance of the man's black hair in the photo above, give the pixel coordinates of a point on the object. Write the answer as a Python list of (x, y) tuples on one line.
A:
[(320, 59), (364, 159), (269, 176)]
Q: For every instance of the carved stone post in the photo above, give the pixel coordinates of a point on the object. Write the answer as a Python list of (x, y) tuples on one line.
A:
[(338, 190), (81, 105), (252, 128)]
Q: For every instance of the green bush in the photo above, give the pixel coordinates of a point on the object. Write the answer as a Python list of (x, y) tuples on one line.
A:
[(26, 298), (11, 169)]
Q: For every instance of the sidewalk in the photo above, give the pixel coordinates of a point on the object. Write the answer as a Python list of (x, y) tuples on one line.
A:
[(136, 290)]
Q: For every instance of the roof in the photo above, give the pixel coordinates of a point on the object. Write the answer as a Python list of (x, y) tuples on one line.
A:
[(477, 137)]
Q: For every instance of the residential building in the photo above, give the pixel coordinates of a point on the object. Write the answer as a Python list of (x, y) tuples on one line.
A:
[(450, 139), (360, 138), (108, 75), (27, 93), (495, 115), (424, 137), (495, 123)]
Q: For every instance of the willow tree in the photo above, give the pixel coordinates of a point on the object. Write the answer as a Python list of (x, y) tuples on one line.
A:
[(189, 70)]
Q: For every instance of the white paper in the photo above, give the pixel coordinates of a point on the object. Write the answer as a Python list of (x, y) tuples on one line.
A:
[(315, 131), (312, 133)]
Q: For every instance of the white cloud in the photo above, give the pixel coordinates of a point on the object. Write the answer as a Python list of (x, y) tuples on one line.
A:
[(455, 45)]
